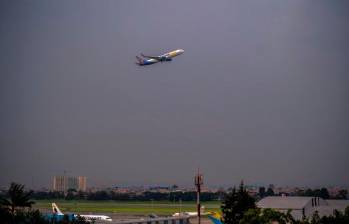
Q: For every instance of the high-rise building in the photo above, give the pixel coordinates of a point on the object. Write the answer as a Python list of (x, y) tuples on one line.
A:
[(64, 183), (82, 183), (60, 183)]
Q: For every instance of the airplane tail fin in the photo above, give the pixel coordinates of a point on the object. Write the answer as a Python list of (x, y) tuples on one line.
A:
[(139, 61), (215, 218), (56, 210)]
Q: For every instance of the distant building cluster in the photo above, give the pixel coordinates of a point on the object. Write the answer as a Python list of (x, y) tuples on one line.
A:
[(255, 191), (64, 183)]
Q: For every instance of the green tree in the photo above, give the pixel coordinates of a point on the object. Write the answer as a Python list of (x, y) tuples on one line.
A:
[(266, 216), (346, 211), (252, 216), (261, 192), (17, 198), (270, 192), (71, 194), (235, 204), (324, 193), (342, 194), (337, 218), (315, 219)]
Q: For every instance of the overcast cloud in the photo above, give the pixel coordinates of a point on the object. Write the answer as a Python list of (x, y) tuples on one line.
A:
[(261, 92)]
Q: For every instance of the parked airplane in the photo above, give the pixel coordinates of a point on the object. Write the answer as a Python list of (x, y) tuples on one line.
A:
[(58, 216), (56, 211), (148, 60), (192, 214), (214, 217)]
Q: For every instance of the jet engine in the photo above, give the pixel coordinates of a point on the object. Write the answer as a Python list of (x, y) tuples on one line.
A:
[(165, 59)]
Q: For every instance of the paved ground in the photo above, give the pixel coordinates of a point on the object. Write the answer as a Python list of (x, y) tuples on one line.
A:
[(118, 217)]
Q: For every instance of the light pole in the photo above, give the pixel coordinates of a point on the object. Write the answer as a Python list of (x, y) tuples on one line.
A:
[(198, 180)]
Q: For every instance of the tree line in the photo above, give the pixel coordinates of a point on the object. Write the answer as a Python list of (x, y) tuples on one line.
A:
[(111, 195), (72, 194), (16, 208)]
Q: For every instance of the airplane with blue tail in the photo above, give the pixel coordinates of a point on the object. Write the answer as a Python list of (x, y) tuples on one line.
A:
[(57, 215), (149, 60), (215, 218)]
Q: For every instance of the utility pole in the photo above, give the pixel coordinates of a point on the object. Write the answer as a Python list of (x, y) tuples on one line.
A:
[(198, 180)]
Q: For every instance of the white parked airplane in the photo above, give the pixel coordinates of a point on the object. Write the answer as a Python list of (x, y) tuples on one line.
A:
[(191, 214), (91, 218)]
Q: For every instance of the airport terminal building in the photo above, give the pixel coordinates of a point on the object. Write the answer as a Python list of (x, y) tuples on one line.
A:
[(303, 207)]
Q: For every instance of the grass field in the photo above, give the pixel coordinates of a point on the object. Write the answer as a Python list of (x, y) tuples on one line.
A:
[(124, 208)]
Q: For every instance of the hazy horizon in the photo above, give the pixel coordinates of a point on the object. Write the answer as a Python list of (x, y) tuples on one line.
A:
[(260, 93)]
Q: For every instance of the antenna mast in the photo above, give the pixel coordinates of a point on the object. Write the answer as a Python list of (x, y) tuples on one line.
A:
[(198, 180)]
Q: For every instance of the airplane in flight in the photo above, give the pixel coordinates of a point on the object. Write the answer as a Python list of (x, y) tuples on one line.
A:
[(91, 218), (148, 60)]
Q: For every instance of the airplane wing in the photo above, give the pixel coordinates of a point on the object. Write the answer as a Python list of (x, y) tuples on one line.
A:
[(152, 57)]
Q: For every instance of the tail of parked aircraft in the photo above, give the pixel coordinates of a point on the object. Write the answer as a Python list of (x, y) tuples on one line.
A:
[(56, 210), (215, 218)]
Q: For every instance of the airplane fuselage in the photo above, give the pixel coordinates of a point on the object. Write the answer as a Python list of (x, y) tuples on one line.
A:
[(96, 217), (58, 215), (148, 60)]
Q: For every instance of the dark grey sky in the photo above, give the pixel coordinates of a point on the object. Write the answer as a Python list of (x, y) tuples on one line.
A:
[(261, 92)]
